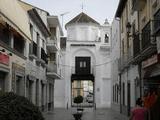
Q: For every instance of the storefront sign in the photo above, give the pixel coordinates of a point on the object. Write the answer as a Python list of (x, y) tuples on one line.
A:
[(4, 59), (150, 61)]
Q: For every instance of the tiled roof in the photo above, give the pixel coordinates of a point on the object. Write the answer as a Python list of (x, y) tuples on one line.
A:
[(82, 18)]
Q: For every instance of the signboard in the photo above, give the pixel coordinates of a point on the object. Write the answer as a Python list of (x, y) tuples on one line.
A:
[(4, 59), (151, 61)]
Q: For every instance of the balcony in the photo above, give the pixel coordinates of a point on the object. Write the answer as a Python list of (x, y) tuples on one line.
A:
[(52, 70), (43, 56), (138, 4), (92, 70), (136, 48), (52, 44), (75, 76), (33, 50), (148, 43)]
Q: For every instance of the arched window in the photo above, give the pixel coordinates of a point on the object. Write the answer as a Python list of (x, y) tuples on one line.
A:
[(106, 38)]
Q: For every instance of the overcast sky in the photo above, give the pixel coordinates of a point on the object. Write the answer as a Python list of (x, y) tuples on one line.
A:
[(97, 9)]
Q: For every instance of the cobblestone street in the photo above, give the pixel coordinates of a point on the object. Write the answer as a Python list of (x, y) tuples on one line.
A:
[(88, 114)]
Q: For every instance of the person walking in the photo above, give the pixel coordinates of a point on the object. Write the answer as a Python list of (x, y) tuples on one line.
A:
[(139, 112)]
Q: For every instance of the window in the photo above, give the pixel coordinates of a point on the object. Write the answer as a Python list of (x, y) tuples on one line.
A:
[(19, 43), (38, 37), (5, 35), (53, 32), (78, 92), (106, 38), (31, 29), (52, 56), (78, 84), (82, 64), (43, 44)]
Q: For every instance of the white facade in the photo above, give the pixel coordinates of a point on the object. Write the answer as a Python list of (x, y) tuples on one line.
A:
[(36, 88), (86, 40), (115, 56)]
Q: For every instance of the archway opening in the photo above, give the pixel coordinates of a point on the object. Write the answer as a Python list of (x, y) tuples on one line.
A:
[(85, 88)]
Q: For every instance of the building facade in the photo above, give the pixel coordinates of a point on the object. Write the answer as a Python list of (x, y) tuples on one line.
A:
[(87, 56), (30, 55), (128, 71), (14, 35), (115, 57), (139, 48), (54, 68)]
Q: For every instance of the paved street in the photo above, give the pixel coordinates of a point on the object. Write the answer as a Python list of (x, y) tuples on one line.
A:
[(88, 114)]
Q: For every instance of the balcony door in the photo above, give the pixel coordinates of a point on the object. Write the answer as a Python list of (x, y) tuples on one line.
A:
[(82, 65)]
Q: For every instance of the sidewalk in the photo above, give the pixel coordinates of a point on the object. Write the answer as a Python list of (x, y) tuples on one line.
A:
[(88, 114)]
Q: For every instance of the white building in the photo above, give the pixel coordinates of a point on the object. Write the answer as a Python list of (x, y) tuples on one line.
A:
[(44, 56), (115, 56), (87, 58), (36, 81)]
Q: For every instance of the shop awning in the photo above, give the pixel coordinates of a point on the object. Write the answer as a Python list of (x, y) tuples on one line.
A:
[(12, 13)]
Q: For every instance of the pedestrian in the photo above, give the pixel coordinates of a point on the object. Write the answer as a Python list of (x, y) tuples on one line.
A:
[(139, 112)]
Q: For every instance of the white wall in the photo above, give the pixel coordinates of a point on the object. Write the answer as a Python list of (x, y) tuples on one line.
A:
[(98, 56), (83, 32)]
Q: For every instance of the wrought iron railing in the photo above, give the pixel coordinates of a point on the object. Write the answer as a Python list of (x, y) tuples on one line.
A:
[(92, 70), (146, 36)]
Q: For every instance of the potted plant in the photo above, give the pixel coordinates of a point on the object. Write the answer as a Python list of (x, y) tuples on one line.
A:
[(78, 114)]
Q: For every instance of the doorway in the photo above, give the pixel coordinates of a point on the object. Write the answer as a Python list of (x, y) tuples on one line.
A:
[(128, 98), (85, 88), (2, 81)]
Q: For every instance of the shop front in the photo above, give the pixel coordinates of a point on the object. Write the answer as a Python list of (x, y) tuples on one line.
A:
[(4, 72), (151, 74), (151, 82)]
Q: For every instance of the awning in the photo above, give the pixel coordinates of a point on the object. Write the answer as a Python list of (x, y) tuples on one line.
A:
[(152, 72), (82, 77), (12, 13)]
